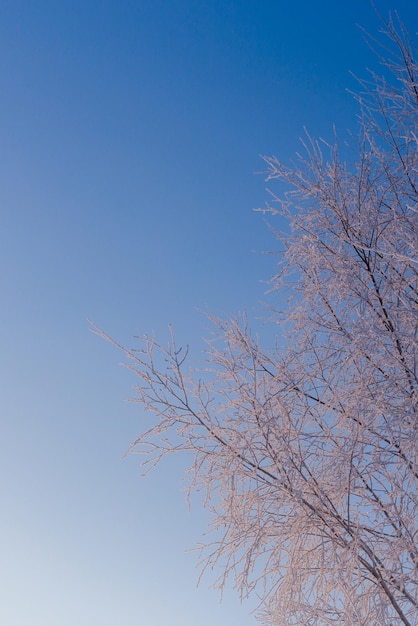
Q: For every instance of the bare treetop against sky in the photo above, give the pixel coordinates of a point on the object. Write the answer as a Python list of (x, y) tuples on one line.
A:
[(130, 135)]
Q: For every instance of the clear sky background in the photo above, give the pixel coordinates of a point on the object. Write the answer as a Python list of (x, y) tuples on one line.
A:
[(130, 135)]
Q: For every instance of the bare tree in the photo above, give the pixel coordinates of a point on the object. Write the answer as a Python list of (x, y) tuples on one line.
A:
[(307, 452)]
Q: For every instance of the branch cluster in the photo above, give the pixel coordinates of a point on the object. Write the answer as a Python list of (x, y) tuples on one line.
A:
[(307, 454)]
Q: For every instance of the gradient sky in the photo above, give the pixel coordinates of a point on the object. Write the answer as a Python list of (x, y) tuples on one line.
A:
[(130, 135)]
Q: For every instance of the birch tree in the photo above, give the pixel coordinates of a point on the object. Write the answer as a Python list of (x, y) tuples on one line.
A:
[(307, 451)]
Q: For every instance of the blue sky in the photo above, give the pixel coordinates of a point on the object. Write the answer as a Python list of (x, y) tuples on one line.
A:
[(130, 135)]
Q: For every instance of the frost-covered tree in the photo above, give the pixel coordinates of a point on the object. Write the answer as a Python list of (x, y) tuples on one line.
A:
[(307, 451)]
